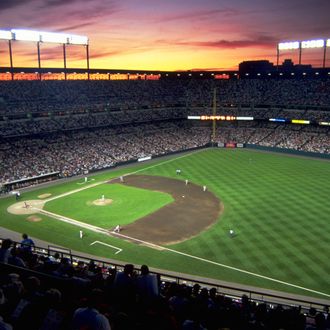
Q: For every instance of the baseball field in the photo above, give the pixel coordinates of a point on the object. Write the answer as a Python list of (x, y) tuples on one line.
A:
[(277, 206)]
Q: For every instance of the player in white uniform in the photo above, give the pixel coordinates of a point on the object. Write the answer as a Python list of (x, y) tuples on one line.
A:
[(117, 229)]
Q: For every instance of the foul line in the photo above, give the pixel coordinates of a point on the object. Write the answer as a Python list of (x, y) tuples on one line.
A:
[(224, 266), (164, 162), (72, 221), (101, 230), (84, 182), (104, 231), (80, 224), (72, 192), (114, 247)]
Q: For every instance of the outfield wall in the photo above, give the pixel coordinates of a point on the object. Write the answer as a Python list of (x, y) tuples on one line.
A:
[(288, 151), (136, 160)]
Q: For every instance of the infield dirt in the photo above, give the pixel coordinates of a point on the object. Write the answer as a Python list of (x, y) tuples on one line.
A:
[(26, 207), (192, 211)]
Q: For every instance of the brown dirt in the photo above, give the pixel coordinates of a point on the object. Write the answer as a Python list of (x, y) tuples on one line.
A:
[(178, 221), (26, 207), (44, 195), (33, 218), (102, 202)]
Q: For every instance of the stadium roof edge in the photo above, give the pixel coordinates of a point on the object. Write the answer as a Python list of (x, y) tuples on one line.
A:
[(33, 69), (113, 71)]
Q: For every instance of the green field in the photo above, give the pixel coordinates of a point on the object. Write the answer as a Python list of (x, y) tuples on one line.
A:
[(278, 206), (129, 204)]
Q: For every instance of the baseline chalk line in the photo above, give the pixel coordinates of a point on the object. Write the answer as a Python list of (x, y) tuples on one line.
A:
[(111, 246)]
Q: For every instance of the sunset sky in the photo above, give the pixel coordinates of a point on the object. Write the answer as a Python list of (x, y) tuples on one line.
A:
[(166, 34)]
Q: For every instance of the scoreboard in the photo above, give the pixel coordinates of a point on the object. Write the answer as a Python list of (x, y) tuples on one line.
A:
[(230, 145)]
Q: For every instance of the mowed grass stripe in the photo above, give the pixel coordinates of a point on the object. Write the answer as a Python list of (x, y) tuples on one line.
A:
[(285, 200), (275, 194), (275, 204)]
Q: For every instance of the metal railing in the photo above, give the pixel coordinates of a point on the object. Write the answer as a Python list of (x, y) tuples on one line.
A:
[(230, 290)]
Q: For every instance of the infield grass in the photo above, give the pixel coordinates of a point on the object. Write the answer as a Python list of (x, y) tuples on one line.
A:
[(278, 206), (128, 204)]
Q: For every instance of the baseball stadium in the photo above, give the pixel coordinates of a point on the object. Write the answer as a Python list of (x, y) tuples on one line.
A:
[(212, 179)]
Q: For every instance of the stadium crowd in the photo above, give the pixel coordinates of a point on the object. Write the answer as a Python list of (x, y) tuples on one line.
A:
[(50, 291), (94, 96), (303, 138), (81, 96), (74, 127), (9, 128), (74, 153), (80, 121), (79, 152)]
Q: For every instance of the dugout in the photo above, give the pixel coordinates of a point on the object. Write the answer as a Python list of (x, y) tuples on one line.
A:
[(18, 184)]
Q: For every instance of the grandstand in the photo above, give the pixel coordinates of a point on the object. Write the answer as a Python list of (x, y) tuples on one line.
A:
[(60, 126), (61, 114), (111, 123)]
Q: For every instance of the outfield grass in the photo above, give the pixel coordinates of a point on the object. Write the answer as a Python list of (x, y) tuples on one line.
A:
[(278, 206)]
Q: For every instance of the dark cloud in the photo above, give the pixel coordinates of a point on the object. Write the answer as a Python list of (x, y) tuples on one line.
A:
[(73, 27), (77, 9), (82, 19), (257, 41), (48, 57), (24, 53), (201, 15), (106, 54), (52, 53), (97, 10), (56, 53), (57, 3), (50, 14), (9, 4)]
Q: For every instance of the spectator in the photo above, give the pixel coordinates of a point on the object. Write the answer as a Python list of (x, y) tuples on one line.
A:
[(15, 259), (27, 243), (124, 288), (147, 286), (89, 317), (5, 250)]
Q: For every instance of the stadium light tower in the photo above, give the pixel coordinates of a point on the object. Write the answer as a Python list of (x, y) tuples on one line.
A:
[(286, 46), (7, 35), (44, 37), (300, 45), (214, 112)]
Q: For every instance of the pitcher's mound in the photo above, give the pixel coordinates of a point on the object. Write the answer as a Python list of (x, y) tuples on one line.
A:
[(27, 207), (44, 195), (33, 218), (102, 202)]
